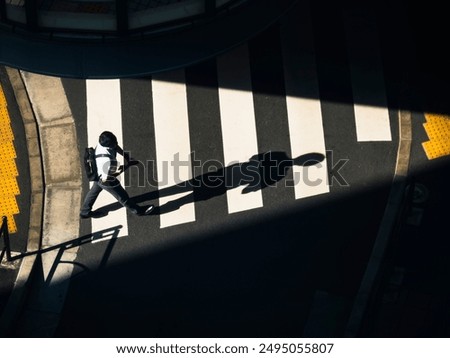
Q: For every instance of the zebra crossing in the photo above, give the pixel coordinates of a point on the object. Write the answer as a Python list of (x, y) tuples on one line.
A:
[(168, 100)]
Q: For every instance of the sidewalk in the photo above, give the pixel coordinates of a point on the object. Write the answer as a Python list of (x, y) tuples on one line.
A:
[(55, 197)]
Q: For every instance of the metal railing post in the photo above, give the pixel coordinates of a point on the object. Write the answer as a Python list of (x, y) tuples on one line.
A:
[(5, 233)]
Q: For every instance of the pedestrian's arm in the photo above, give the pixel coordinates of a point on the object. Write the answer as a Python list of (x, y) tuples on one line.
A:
[(125, 155)]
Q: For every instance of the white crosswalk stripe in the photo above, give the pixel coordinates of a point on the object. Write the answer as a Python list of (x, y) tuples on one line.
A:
[(304, 114), (372, 122), (238, 122), (239, 129), (104, 113), (173, 147)]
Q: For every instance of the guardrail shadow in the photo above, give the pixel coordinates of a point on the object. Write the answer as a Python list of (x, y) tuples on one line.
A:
[(111, 234)]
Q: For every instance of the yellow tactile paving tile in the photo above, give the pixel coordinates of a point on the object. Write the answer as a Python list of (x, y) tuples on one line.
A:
[(2, 98), (6, 133), (436, 116), (4, 115), (9, 204), (9, 187), (8, 168), (11, 223), (7, 150), (435, 150), (437, 128)]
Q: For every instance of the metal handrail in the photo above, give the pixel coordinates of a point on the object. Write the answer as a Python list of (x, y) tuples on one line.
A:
[(4, 232)]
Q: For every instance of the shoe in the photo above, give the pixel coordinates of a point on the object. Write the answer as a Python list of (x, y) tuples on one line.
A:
[(147, 211), (93, 214), (86, 216)]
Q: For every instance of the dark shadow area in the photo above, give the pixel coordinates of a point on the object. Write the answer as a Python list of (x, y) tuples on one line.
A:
[(410, 38), (8, 273), (256, 280), (39, 283), (261, 279), (430, 33), (414, 296), (259, 172)]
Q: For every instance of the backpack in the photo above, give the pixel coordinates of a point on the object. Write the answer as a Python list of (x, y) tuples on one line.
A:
[(90, 163)]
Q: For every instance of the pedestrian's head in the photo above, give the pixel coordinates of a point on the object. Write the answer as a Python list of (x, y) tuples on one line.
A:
[(107, 139)]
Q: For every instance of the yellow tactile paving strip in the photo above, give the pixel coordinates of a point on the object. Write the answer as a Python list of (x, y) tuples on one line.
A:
[(9, 187), (437, 127)]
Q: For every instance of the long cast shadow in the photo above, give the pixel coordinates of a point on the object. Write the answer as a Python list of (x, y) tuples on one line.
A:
[(260, 171)]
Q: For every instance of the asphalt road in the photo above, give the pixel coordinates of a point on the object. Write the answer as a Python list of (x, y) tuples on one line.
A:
[(257, 272)]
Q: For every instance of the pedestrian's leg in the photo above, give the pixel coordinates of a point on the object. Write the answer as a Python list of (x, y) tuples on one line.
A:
[(90, 198), (116, 189)]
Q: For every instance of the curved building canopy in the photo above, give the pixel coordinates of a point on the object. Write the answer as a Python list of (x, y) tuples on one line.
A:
[(125, 38)]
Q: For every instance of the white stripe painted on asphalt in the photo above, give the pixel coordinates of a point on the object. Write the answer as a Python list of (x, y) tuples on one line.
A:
[(303, 104), (173, 146), (238, 121), (104, 113), (369, 93)]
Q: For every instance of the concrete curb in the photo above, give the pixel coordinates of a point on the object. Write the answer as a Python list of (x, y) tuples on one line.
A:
[(20, 290)]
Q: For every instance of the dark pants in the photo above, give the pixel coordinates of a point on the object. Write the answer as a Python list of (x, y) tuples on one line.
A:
[(115, 189)]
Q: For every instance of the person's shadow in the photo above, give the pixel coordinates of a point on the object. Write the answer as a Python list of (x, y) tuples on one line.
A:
[(260, 171)]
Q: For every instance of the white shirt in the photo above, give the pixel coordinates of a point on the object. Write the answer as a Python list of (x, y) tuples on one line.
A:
[(106, 166)]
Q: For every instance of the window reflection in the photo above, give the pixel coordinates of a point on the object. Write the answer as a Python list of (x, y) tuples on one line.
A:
[(144, 13), (141, 5), (102, 15), (91, 7), (15, 10), (81, 14)]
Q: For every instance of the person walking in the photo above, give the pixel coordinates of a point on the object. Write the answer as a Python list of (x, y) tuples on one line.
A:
[(106, 153)]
